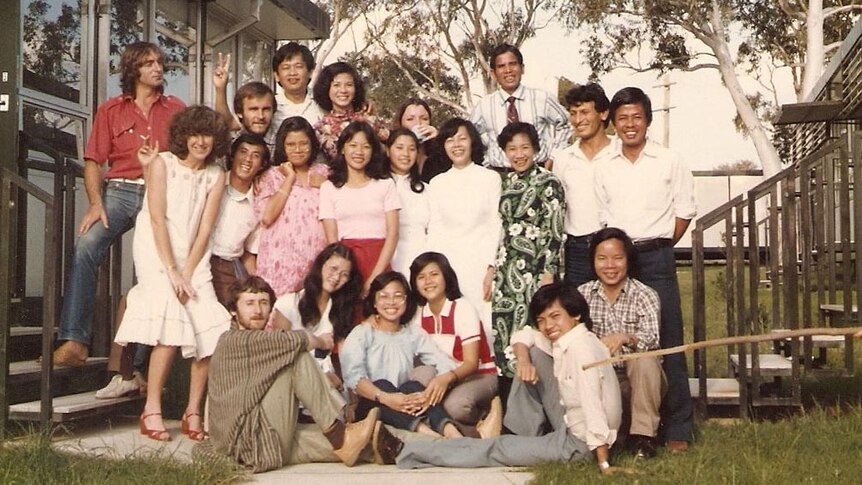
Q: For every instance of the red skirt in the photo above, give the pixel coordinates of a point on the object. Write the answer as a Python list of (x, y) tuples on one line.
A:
[(366, 252)]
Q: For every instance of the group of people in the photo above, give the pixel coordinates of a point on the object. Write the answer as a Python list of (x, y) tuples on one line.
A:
[(325, 266)]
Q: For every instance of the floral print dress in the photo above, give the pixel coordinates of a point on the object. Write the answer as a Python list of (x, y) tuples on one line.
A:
[(328, 129), (532, 208)]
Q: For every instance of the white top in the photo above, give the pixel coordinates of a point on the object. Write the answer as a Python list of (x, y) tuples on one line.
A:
[(412, 224), (286, 108), (576, 172), (534, 106), (591, 397), (644, 197), (288, 305), (237, 229)]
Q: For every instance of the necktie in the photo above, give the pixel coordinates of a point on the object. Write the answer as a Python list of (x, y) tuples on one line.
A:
[(511, 111)]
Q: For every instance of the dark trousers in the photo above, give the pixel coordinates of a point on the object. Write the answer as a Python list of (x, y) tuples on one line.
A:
[(579, 268), (658, 271), (437, 417)]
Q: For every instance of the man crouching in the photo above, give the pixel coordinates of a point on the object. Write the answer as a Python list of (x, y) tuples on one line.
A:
[(257, 380)]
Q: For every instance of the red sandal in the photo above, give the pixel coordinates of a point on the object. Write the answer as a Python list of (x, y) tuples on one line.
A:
[(193, 434), (153, 434)]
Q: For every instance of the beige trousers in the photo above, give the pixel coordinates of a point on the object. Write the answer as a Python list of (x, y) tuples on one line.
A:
[(642, 384)]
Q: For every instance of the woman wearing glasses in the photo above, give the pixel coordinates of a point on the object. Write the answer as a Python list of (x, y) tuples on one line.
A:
[(287, 203), (378, 355)]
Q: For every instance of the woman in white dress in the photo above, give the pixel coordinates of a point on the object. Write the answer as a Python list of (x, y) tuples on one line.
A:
[(415, 212), (465, 222), (174, 304)]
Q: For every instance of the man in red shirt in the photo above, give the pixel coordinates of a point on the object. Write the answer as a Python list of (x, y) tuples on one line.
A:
[(121, 125)]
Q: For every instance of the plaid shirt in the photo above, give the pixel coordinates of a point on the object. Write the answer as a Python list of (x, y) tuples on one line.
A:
[(635, 312)]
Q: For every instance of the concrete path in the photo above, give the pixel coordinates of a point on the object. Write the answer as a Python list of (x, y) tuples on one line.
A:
[(122, 440)]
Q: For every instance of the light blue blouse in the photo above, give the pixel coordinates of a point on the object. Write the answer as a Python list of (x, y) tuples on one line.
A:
[(377, 355)]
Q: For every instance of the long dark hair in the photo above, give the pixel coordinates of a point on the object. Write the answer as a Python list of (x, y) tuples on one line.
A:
[(378, 284), (343, 301), (453, 289), (416, 184), (376, 167), (291, 125)]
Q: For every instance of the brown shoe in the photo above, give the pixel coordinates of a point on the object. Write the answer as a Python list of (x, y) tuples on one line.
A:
[(676, 447), (492, 425), (356, 438), (385, 445), (71, 354)]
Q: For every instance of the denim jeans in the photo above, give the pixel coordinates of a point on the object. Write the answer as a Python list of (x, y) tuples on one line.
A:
[(437, 417), (579, 268), (658, 271), (122, 203)]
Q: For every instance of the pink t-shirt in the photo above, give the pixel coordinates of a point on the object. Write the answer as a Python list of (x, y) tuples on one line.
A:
[(359, 213)]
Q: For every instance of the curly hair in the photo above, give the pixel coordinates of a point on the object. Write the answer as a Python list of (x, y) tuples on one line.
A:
[(131, 62), (416, 184), (292, 125), (198, 120), (344, 300), (324, 82), (448, 130), (376, 168)]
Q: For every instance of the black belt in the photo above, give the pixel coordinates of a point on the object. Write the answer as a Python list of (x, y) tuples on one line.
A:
[(586, 238), (653, 244)]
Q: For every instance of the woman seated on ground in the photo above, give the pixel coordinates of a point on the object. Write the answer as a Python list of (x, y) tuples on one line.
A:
[(325, 304), (340, 92), (415, 115), (455, 327), (415, 211), (378, 356), (174, 304)]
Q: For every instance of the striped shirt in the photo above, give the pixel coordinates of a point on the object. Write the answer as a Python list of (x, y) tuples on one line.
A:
[(535, 107), (243, 368), (635, 312)]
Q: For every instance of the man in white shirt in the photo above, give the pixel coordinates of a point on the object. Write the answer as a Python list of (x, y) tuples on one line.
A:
[(574, 166), (591, 410), (515, 102), (235, 237), (647, 191), (292, 66)]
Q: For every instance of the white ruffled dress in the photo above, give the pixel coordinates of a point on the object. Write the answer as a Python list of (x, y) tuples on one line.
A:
[(154, 314)]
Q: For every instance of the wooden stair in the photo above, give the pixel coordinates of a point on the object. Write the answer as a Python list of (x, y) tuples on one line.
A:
[(71, 407)]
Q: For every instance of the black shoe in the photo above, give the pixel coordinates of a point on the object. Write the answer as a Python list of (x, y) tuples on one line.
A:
[(642, 446), (385, 446)]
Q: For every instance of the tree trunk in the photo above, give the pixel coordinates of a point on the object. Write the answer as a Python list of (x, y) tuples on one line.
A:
[(814, 56)]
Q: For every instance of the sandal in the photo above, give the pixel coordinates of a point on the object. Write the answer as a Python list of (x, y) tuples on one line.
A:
[(193, 434), (153, 434)]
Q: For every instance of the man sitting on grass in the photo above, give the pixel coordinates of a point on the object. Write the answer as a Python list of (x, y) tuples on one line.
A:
[(591, 409), (258, 378)]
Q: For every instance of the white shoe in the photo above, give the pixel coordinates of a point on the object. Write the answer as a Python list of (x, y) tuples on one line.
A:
[(117, 388)]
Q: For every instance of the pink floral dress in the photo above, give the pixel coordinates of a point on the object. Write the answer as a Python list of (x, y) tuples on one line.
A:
[(290, 244), (329, 128)]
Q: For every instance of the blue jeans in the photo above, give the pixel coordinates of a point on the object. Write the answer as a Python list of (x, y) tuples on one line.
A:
[(658, 271), (437, 417), (122, 203), (579, 268)]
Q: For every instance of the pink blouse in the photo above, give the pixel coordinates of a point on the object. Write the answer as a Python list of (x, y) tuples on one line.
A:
[(290, 244), (359, 213)]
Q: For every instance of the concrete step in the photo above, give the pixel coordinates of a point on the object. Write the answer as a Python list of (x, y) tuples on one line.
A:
[(73, 406), (771, 365), (719, 391)]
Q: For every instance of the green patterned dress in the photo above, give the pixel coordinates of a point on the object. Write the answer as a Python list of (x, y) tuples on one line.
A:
[(532, 208)]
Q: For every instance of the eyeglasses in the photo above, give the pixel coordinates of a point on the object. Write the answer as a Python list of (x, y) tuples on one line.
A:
[(391, 298)]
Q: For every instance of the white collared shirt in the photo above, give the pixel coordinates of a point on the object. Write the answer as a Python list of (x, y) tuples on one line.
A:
[(237, 229), (644, 197), (576, 172), (286, 108), (535, 107)]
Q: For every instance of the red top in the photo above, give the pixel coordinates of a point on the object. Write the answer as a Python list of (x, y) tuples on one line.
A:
[(452, 333), (118, 132)]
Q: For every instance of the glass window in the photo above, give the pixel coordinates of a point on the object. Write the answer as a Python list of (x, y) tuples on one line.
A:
[(176, 37), (256, 63), (127, 20), (52, 47), (51, 134)]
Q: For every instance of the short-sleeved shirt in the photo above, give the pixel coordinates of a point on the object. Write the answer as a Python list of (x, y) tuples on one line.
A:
[(119, 129), (360, 213), (237, 229), (454, 329)]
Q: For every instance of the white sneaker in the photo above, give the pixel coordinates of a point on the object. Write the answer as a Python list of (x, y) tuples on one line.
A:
[(117, 388)]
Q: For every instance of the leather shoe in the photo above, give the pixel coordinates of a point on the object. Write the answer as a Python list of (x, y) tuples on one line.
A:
[(385, 445), (492, 425), (677, 447), (71, 354), (641, 446), (356, 438)]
